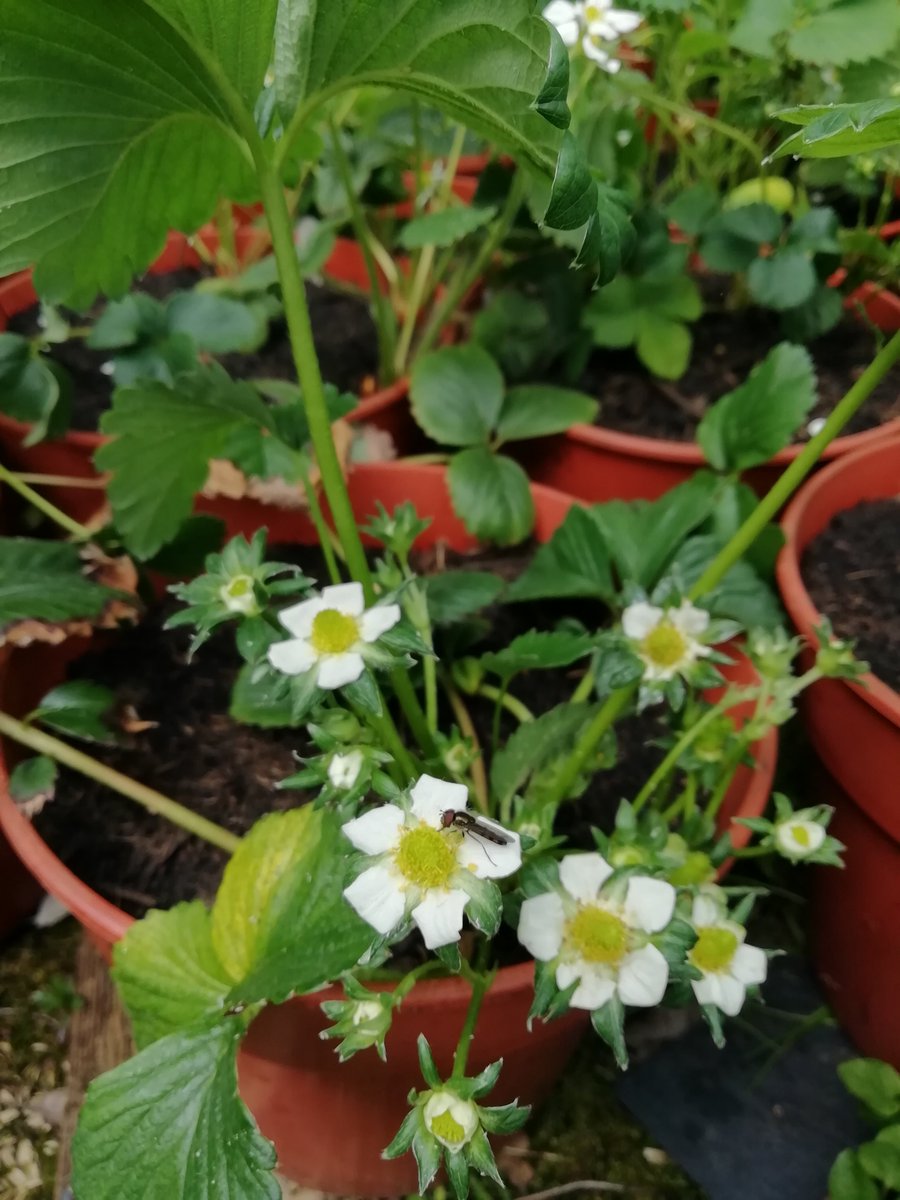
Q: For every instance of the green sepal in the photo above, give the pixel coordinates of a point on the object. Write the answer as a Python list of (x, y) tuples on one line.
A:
[(427, 1065), (457, 1172), (403, 1138), (427, 1152), (504, 1118), (364, 693), (609, 1023), (481, 1157)]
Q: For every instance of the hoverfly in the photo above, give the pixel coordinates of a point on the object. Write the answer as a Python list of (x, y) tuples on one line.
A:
[(474, 825)]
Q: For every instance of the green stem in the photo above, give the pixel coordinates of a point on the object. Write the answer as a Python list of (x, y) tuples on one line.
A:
[(465, 279), (323, 533), (381, 310), (467, 728), (652, 99), (480, 985), (225, 229), (386, 730), (153, 801), (684, 742), (612, 709), (503, 699), (43, 505), (585, 687), (784, 488)]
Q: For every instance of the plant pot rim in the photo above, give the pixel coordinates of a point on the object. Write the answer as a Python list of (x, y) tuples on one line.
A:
[(688, 454), (108, 924), (797, 600)]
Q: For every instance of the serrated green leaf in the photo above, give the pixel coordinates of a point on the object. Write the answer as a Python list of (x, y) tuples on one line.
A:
[(456, 395), (874, 1082), (444, 228), (168, 973), (783, 280), (163, 440), (169, 1123), (533, 745), (31, 389), (33, 779), (760, 417), (840, 130), (80, 709), (261, 696), (663, 345), (760, 23), (44, 581), (135, 318), (538, 410), (846, 31), (538, 650), (491, 495), (218, 324), (287, 876), (743, 595), (575, 562), (453, 595)]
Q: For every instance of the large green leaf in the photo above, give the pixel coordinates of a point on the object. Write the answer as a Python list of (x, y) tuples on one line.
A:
[(79, 708), (760, 417), (163, 441), (453, 595), (874, 1082), (168, 973), (783, 280), (491, 495), (839, 130), (846, 31), (45, 581), (538, 649), (575, 562), (538, 409), (456, 395), (444, 228), (280, 923), (169, 1125)]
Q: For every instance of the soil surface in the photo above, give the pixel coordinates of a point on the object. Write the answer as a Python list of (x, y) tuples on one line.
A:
[(852, 571), (343, 330), (727, 345)]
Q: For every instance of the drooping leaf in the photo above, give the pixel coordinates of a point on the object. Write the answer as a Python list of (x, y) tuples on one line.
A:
[(756, 420), (456, 395), (168, 973), (874, 1082), (32, 389), (79, 708), (169, 1124), (280, 923), (538, 650), (492, 496), (163, 440), (33, 780), (575, 562), (444, 228), (453, 595), (537, 410), (45, 581)]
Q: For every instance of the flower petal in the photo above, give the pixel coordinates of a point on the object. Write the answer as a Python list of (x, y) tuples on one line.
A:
[(622, 20), (431, 797), (298, 619), (336, 670), (541, 923), (564, 16), (750, 965), (705, 912), (649, 903), (721, 991), (690, 620), (377, 897), (440, 917), (487, 859), (596, 987), (376, 831), (378, 620), (643, 976), (347, 598), (640, 619), (583, 875), (293, 657)]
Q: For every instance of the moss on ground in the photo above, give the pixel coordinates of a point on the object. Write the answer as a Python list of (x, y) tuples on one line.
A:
[(36, 999)]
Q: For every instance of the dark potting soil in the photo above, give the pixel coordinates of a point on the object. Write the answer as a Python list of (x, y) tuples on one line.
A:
[(227, 772), (852, 572), (343, 331), (727, 345)]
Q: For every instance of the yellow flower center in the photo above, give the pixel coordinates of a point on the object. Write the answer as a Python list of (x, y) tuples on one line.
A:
[(696, 868), (592, 12), (239, 587), (447, 1128), (800, 834), (714, 949), (425, 857), (597, 936), (333, 632), (665, 646)]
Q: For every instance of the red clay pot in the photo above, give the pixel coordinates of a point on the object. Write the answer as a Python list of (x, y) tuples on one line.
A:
[(329, 1122), (73, 455), (855, 729)]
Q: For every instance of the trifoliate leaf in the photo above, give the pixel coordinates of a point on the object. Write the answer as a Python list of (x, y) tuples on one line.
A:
[(456, 395), (492, 496), (575, 562)]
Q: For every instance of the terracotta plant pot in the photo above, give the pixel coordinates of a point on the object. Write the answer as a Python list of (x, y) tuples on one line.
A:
[(329, 1122), (855, 729), (880, 305), (72, 456)]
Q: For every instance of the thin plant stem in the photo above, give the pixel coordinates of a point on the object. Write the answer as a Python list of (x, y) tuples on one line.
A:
[(612, 709), (69, 481), (322, 531), (43, 505), (480, 984), (153, 801), (386, 730), (225, 229), (503, 699), (684, 743), (381, 310), (467, 728), (585, 687)]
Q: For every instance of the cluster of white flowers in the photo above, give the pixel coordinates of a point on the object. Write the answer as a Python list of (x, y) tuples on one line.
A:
[(597, 24)]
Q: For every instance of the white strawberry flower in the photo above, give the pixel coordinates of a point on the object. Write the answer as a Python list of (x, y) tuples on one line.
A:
[(567, 19), (239, 595), (601, 938), (331, 633), (799, 837), (450, 1119), (727, 964), (598, 24), (344, 769), (423, 870), (604, 20), (667, 640)]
